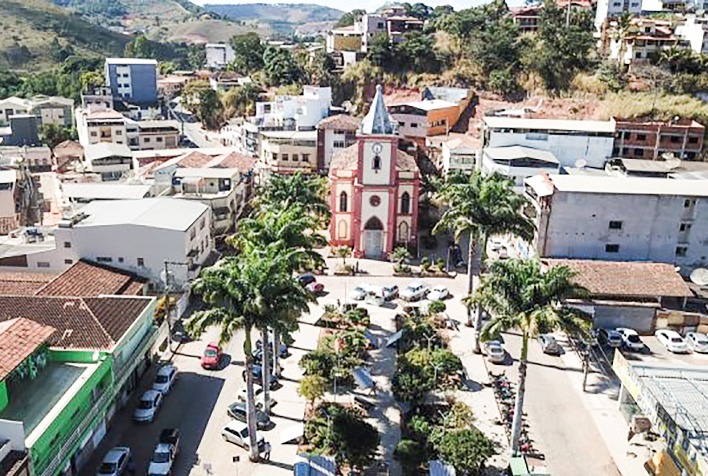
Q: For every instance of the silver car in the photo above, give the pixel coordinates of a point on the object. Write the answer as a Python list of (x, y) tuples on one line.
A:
[(697, 342), (117, 462), (549, 345), (495, 352), (148, 405), (360, 292)]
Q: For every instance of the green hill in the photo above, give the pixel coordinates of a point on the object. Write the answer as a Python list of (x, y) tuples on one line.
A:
[(283, 18), (30, 28)]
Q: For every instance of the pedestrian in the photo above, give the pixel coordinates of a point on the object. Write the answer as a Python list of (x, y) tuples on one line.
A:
[(372, 390), (266, 451), (339, 304)]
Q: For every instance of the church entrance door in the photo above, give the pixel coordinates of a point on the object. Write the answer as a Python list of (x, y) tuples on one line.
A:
[(373, 238)]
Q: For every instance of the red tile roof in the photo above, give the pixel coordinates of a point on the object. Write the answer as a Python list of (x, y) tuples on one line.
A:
[(87, 279), (348, 159), (20, 338), (626, 279), (233, 160), (342, 122), (79, 323), (23, 284)]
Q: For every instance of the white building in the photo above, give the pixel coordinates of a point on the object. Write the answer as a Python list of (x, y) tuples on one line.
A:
[(334, 133), (570, 141), (693, 30), (49, 109), (218, 55), (518, 163), (621, 219), (607, 9), (459, 154), (295, 112), (8, 210), (94, 126), (288, 151), (111, 160)]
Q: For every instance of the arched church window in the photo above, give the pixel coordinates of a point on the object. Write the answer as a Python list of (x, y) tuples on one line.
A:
[(405, 203), (343, 201)]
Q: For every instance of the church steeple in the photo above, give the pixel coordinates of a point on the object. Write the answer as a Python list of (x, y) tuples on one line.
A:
[(378, 121)]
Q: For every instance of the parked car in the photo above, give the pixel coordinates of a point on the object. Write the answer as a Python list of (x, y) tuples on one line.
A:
[(697, 342), (179, 334), (316, 288), (390, 292), (165, 378), (360, 292), (630, 339), (438, 293), (495, 352), (415, 291), (609, 337), (549, 345), (162, 460), (672, 341), (117, 462), (212, 356), (307, 278), (237, 411), (284, 352), (148, 405), (170, 436), (257, 372), (236, 432)]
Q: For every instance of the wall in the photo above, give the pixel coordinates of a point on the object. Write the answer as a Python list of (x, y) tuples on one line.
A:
[(412, 125), (641, 318), (368, 175), (4, 400), (517, 174), (15, 432)]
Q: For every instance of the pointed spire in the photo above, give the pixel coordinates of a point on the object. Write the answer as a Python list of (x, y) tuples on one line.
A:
[(378, 121)]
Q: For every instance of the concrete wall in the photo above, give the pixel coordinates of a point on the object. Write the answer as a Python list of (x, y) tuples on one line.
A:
[(641, 319)]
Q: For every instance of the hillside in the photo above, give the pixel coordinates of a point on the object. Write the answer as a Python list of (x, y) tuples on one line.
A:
[(283, 18), (30, 26)]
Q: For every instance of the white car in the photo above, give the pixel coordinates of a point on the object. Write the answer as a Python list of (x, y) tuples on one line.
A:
[(117, 462), (390, 292), (162, 460), (147, 408), (697, 342), (495, 352), (672, 340), (415, 291), (165, 379), (438, 293), (236, 432), (630, 339), (360, 292)]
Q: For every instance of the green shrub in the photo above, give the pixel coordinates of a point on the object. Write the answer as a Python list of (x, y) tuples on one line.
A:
[(411, 455), (436, 307)]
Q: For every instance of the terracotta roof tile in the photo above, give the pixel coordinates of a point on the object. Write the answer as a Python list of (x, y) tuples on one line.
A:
[(20, 338), (87, 279), (23, 284), (343, 122), (233, 160), (626, 279), (348, 159)]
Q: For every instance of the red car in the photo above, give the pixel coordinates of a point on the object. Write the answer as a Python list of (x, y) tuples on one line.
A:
[(212, 356), (315, 288)]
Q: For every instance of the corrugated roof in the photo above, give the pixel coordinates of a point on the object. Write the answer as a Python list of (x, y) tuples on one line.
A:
[(629, 185), (105, 191), (20, 338), (516, 152), (626, 278), (429, 104), (549, 124), (168, 213), (103, 150)]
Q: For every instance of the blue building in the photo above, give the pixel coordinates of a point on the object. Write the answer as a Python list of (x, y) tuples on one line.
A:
[(133, 80)]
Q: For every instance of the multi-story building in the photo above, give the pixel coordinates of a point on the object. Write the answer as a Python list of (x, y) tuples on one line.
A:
[(157, 135), (653, 140), (98, 99), (693, 31), (111, 160), (621, 219), (218, 55), (48, 109), (527, 18), (102, 125), (9, 218), (300, 113), (610, 9), (132, 80), (646, 39), (288, 152), (518, 163), (420, 119), (374, 189), (569, 141), (334, 134), (22, 131), (459, 154), (38, 158)]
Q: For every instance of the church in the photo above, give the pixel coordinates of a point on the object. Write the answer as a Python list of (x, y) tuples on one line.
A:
[(374, 189)]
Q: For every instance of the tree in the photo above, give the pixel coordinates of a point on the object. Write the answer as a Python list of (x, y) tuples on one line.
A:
[(353, 440), (309, 192), (248, 52), (480, 206), (204, 102), (519, 295), (196, 56), (620, 30), (411, 454), (91, 79), (140, 47), (320, 68), (417, 52), (349, 18), (241, 100), (466, 450), (343, 252), (418, 10), (280, 67), (312, 388), (55, 134), (379, 51)]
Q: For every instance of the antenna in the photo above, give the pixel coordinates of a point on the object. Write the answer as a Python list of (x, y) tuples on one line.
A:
[(581, 163), (699, 276)]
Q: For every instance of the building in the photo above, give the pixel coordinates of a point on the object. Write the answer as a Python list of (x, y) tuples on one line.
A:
[(693, 31), (38, 158), (459, 154), (610, 9), (22, 131), (518, 163), (98, 99), (96, 126), (48, 109), (644, 41), (227, 80), (625, 294), (218, 55), (67, 154), (569, 141), (527, 18), (77, 193), (621, 219), (654, 140), (334, 134), (300, 113), (132, 80), (420, 119), (679, 169), (288, 152), (157, 135), (9, 216), (374, 189), (111, 160)]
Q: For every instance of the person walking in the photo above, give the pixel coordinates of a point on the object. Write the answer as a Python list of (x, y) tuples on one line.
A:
[(266, 451)]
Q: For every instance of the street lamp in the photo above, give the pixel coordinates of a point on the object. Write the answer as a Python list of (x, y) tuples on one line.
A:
[(166, 280)]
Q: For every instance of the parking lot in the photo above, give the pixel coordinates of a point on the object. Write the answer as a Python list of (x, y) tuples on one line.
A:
[(655, 353)]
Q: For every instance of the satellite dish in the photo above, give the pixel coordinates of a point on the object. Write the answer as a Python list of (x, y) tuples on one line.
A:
[(580, 163), (699, 276)]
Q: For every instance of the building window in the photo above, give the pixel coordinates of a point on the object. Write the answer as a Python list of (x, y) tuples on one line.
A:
[(612, 248), (67, 244), (274, 156), (68, 261), (376, 163), (687, 203), (342, 230), (193, 234), (339, 144), (615, 225), (681, 251), (285, 157), (405, 203), (675, 140), (639, 152), (296, 157), (120, 259), (305, 157), (693, 140), (414, 125), (147, 139), (641, 137), (104, 259), (42, 264), (202, 223), (343, 201), (94, 134), (141, 262), (685, 227), (159, 139)]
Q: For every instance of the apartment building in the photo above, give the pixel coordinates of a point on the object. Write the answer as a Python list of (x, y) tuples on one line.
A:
[(646, 39), (654, 140), (420, 119), (133, 80), (527, 18), (570, 141), (156, 135), (610, 9), (459, 154), (95, 126), (218, 55), (693, 31), (288, 151), (48, 109), (621, 219), (9, 218), (334, 134), (300, 113)]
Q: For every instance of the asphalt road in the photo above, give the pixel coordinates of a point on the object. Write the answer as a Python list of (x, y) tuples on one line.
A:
[(560, 425)]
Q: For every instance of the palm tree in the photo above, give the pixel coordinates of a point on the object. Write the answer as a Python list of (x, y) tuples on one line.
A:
[(343, 252), (480, 206), (520, 295), (620, 31), (285, 191)]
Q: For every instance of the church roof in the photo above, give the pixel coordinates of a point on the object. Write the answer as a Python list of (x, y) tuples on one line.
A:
[(378, 121), (348, 159)]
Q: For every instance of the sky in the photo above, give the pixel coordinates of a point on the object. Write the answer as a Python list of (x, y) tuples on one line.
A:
[(370, 5)]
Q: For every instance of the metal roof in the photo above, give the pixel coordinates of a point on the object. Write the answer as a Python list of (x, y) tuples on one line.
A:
[(628, 185), (428, 104), (103, 150), (167, 213), (105, 191), (517, 152), (497, 122)]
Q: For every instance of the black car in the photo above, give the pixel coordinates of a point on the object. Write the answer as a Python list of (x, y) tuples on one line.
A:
[(305, 279), (258, 353), (257, 372), (237, 411)]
